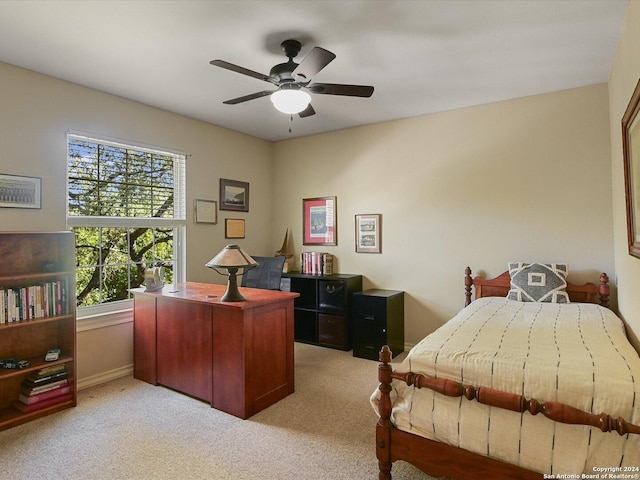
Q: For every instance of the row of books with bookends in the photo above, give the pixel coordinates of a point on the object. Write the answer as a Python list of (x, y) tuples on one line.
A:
[(44, 388), (316, 263)]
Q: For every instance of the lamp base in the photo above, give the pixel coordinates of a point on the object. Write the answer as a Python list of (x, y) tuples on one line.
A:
[(232, 294)]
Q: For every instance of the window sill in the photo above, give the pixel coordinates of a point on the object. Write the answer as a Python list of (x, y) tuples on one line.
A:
[(94, 318)]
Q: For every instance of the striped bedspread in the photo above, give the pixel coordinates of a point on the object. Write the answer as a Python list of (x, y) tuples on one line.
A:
[(575, 353)]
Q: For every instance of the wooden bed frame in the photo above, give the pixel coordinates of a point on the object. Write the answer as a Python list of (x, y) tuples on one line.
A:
[(442, 460)]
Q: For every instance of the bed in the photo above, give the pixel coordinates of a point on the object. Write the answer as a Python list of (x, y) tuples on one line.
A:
[(512, 389)]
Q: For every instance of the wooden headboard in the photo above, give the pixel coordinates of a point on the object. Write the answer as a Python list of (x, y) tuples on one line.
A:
[(499, 287)]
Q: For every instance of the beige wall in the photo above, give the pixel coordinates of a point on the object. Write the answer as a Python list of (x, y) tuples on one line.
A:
[(527, 179), (37, 111), (520, 180), (622, 81)]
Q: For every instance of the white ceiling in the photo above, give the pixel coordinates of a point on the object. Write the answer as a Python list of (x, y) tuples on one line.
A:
[(422, 56)]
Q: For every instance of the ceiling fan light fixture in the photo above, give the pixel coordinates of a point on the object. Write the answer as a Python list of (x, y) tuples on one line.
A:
[(290, 101)]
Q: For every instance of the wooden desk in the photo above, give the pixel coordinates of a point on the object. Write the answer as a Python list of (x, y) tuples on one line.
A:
[(236, 355)]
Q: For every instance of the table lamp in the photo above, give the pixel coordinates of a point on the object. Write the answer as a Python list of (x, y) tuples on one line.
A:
[(231, 258)]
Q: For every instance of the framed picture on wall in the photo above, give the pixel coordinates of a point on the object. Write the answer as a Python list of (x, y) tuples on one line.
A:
[(17, 191), (319, 221), (234, 228), (631, 155), (205, 211), (369, 233), (234, 195)]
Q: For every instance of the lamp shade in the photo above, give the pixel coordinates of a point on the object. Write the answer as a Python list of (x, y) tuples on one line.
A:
[(231, 258), (290, 100)]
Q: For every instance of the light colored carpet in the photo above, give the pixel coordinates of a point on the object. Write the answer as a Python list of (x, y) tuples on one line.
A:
[(128, 429)]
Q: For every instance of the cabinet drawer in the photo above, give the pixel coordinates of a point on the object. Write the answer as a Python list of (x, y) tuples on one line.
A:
[(371, 322), (332, 330), (369, 334), (332, 296)]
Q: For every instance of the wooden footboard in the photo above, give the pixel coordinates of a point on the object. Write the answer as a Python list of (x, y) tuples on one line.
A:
[(433, 458), (443, 460)]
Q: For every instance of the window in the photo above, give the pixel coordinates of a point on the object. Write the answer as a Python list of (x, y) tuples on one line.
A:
[(126, 205)]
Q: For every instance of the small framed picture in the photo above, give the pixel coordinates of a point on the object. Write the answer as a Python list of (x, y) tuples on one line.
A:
[(17, 191), (368, 233), (205, 211), (234, 228), (234, 195), (319, 221)]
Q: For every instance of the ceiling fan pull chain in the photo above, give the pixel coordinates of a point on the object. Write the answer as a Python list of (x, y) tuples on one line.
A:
[(290, 122)]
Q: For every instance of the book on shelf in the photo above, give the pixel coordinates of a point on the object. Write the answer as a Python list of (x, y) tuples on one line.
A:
[(43, 404), (39, 397), (316, 263), (30, 390), (49, 370), (35, 380)]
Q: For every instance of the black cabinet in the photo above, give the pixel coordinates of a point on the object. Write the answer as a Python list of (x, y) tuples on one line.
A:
[(322, 312), (378, 319)]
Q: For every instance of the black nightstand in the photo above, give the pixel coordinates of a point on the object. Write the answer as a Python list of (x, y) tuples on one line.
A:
[(378, 319)]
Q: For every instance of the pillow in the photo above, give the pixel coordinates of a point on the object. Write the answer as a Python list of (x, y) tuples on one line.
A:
[(538, 282)]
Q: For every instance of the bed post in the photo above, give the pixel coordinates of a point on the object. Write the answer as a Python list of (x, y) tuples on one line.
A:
[(468, 281), (384, 426), (604, 290)]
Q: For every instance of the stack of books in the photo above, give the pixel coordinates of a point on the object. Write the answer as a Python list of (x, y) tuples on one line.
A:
[(44, 388)]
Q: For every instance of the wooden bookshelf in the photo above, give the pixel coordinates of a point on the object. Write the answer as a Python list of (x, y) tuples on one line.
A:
[(33, 259)]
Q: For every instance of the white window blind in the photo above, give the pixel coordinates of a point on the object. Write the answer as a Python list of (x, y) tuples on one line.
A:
[(126, 204)]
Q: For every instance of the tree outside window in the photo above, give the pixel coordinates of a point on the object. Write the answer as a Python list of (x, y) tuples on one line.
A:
[(122, 207)]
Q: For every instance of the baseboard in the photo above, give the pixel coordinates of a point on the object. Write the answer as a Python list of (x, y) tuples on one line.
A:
[(105, 377), (128, 370)]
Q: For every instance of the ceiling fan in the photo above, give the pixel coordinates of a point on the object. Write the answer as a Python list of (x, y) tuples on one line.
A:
[(294, 81)]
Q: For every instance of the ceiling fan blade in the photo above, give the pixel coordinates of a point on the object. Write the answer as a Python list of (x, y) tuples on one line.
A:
[(246, 98), (307, 112), (341, 89), (242, 70), (316, 60)]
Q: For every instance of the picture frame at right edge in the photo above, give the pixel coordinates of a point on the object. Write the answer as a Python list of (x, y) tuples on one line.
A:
[(369, 233), (631, 156)]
